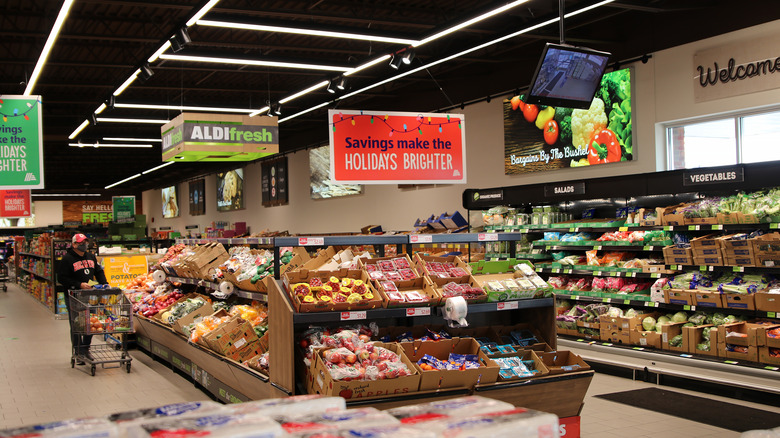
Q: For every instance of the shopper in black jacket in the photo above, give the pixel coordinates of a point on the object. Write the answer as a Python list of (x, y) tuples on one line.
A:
[(77, 268)]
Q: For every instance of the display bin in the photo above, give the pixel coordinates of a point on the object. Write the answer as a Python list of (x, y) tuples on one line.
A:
[(739, 301), (424, 266), (679, 296), (767, 302), (695, 336), (422, 285), (441, 379), (291, 278), (651, 339), (708, 299), (560, 362)]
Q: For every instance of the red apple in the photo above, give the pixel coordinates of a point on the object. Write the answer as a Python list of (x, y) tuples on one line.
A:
[(363, 355), (350, 358), (334, 357)]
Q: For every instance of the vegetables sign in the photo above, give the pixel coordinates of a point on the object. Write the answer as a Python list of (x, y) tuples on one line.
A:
[(538, 138)]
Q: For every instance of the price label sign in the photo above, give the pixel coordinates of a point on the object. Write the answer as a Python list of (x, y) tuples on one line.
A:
[(668, 228), (623, 229), (487, 237), (771, 368), (418, 311), (717, 227), (771, 314), (597, 247), (311, 241), (685, 355), (352, 316), (694, 227), (421, 238), (739, 269), (596, 273), (509, 305)]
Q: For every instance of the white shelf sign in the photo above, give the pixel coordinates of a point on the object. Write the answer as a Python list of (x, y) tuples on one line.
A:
[(311, 241), (509, 305), (351, 316), (486, 237), (421, 238), (418, 311)]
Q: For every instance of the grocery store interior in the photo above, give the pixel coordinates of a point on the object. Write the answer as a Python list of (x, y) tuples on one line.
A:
[(524, 218)]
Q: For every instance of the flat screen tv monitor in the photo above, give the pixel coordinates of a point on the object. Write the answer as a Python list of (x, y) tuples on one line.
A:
[(567, 76), (170, 202)]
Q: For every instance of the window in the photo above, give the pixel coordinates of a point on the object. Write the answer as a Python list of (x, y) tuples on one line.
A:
[(744, 139)]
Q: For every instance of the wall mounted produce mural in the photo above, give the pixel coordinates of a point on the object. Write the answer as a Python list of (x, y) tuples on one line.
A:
[(539, 138)]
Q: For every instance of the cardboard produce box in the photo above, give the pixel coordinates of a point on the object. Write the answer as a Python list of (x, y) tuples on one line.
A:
[(204, 261), (669, 331), (422, 263), (291, 278), (671, 216), (520, 335), (708, 260), (695, 337), (679, 296), (742, 336), (767, 302), (421, 285), (746, 261), (769, 355), (674, 255), (739, 301), (439, 379), (645, 338), (193, 317), (710, 241), (231, 337), (559, 362), (323, 383), (614, 335), (767, 244), (708, 298), (525, 355)]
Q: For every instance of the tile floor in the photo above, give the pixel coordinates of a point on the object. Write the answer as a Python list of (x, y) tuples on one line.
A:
[(38, 385)]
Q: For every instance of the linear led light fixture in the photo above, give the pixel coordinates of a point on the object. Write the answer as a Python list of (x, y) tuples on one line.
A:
[(123, 120), (194, 19), (469, 22), (449, 58), (109, 145), (257, 62), (367, 65), (55, 31), (183, 108), (101, 108), (166, 45), (123, 181), (153, 140), (168, 163), (81, 127), (303, 31), (127, 82), (262, 110)]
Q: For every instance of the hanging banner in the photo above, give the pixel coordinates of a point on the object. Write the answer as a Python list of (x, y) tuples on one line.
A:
[(396, 148), (121, 270), (21, 142), (123, 209), (198, 197), (87, 212), (15, 203)]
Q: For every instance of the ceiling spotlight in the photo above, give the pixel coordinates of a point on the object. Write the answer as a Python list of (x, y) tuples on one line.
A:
[(276, 109), (645, 58), (146, 72), (93, 119), (331, 87), (341, 84), (396, 62), (408, 56), (180, 39)]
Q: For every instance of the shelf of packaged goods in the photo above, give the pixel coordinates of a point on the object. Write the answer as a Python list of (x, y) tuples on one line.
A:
[(571, 228), (588, 245), (35, 255), (403, 312), (717, 370), (252, 295), (712, 268), (667, 306), (396, 239), (35, 273), (228, 241), (617, 272)]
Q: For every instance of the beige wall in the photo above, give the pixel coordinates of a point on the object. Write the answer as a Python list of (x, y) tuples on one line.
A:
[(662, 93)]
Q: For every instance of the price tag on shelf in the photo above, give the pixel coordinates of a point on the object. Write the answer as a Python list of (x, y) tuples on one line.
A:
[(623, 229), (556, 271), (352, 316), (694, 227), (738, 269), (668, 228), (606, 344), (633, 274), (487, 237), (730, 362), (638, 348), (508, 305), (769, 263), (771, 368), (655, 275), (771, 314), (547, 248), (626, 302), (596, 273), (539, 269), (597, 248), (421, 238), (711, 268), (574, 230), (686, 307), (702, 268), (673, 267), (567, 271), (774, 226), (717, 227), (606, 300), (311, 241), (575, 297), (418, 311), (523, 230), (580, 340), (686, 355)]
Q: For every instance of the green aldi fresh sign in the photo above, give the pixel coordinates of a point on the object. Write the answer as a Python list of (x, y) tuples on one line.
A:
[(21, 142)]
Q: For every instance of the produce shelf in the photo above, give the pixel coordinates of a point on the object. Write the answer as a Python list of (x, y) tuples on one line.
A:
[(35, 273), (228, 241), (598, 246), (600, 273), (253, 295), (667, 306)]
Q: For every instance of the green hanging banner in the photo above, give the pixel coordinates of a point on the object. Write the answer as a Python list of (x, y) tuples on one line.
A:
[(21, 142), (123, 209)]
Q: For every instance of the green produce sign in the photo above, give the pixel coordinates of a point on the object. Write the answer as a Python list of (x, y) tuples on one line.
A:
[(538, 138), (123, 209), (21, 147)]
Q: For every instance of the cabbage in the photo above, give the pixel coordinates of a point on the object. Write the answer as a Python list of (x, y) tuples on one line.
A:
[(680, 317), (689, 324), (704, 346), (648, 323), (664, 319), (730, 319), (676, 341), (615, 312), (630, 313), (658, 326)]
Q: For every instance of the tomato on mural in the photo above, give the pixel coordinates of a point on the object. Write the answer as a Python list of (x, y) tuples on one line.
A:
[(538, 138)]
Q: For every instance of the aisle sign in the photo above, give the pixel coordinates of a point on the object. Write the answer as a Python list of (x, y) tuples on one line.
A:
[(121, 270), (396, 148), (123, 209), (15, 203), (21, 142)]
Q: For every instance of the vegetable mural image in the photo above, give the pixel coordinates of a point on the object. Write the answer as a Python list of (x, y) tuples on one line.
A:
[(538, 138)]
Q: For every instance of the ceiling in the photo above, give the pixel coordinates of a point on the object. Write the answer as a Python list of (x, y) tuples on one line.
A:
[(103, 42)]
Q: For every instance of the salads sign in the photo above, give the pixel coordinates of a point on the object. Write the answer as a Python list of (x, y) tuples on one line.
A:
[(539, 138), (737, 69), (396, 148)]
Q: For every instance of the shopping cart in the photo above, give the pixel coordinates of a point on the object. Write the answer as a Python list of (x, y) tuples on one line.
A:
[(104, 312), (4, 275)]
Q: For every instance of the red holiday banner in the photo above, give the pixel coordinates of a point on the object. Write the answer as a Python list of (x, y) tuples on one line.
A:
[(15, 203), (396, 148)]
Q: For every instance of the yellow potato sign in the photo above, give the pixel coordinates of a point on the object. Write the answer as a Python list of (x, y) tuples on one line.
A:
[(120, 270)]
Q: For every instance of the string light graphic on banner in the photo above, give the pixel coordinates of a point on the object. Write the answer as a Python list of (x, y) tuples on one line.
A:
[(420, 119), (30, 107)]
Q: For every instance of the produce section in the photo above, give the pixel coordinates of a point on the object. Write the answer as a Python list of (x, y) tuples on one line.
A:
[(35, 269)]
